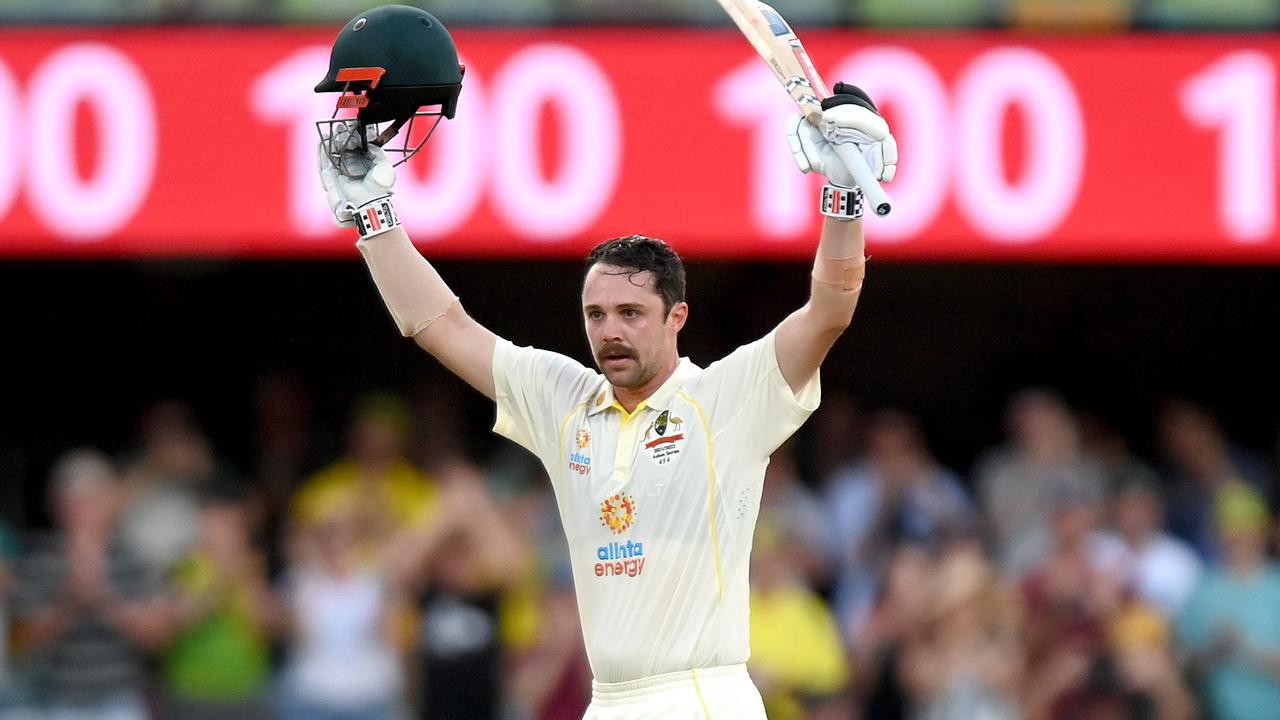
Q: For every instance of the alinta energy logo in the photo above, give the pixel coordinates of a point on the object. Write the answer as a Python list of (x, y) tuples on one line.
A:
[(580, 461), (618, 513), (617, 559)]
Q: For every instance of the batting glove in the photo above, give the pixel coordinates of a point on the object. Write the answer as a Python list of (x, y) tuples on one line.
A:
[(365, 178), (849, 116)]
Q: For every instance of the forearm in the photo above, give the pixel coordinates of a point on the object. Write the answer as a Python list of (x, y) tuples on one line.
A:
[(425, 309), (838, 271), (413, 291), (806, 336)]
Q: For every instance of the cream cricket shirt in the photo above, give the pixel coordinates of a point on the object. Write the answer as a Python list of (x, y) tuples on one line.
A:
[(659, 507)]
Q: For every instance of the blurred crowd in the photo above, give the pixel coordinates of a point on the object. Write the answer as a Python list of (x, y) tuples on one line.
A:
[(1067, 15), (390, 577)]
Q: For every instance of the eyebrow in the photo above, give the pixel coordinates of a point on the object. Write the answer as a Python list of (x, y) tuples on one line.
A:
[(620, 306)]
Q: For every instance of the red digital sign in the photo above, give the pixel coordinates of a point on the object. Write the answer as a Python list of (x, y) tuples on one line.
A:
[(201, 142)]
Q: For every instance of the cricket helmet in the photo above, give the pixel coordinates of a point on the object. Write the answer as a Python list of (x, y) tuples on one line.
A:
[(389, 63)]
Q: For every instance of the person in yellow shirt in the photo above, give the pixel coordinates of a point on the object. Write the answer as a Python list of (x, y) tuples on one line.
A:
[(376, 481), (217, 663), (797, 659)]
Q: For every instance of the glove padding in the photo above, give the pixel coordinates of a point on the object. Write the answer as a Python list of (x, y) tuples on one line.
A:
[(373, 177), (849, 116)]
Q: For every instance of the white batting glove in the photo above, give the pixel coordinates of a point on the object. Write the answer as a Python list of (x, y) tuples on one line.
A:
[(368, 182), (813, 153), (849, 116)]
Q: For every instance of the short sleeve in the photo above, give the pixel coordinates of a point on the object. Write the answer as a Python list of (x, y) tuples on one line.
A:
[(536, 390), (746, 393)]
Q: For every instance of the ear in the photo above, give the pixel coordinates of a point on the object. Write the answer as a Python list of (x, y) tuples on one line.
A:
[(679, 316)]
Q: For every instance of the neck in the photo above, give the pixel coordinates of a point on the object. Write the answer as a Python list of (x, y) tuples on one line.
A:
[(630, 398)]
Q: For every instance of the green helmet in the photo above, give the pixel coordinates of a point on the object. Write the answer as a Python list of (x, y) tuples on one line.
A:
[(415, 53), (390, 62)]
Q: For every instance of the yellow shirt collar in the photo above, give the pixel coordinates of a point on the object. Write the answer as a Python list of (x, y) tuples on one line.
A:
[(659, 400)]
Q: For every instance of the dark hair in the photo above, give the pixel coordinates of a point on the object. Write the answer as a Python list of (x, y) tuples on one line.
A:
[(637, 254)]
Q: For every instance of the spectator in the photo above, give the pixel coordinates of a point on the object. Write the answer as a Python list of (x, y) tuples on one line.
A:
[(551, 679), (459, 567), (1162, 570), (1070, 598), (789, 504), (1256, 15), (284, 447), (927, 13), (163, 482), (796, 657), (1109, 15), (1230, 625), (1142, 667), (386, 493), (1201, 463), (531, 513), (218, 663), (835, 437), (88, 607), (899, 493), (881, 643), (1017, 484), (966, 663), (534, 613), (344, 660), (1120, 466)]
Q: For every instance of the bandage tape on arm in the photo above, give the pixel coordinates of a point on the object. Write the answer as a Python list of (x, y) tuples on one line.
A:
[(842, 274), (840, 265), (413, 291)]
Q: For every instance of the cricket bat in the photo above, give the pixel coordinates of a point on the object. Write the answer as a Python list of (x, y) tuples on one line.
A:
[(777, 43)]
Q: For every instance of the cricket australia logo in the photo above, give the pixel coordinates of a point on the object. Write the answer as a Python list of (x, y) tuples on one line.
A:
[(618, 513), (664, 437)]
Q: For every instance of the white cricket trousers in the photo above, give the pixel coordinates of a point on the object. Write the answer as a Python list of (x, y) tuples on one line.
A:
[(719, 693)]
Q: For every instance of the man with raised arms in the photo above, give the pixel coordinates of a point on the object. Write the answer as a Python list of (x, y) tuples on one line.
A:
[(657, 463)]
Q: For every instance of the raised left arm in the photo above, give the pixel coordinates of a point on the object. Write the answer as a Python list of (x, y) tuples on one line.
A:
[(849, 116), (805, 337)]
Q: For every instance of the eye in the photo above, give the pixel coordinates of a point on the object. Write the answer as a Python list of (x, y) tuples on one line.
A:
[(594, 314), (631, 313)]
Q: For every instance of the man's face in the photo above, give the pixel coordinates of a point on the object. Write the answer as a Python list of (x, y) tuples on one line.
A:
[(631, 336)]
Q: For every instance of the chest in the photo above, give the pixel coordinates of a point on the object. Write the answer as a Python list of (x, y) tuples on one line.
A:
[(648, 445), (615, 469)]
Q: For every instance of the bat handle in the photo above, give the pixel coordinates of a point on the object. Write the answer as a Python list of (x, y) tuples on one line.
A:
[(875, 195)]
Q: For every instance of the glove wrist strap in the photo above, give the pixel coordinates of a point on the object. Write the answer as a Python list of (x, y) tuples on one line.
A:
[(841, 203), (375, 217)]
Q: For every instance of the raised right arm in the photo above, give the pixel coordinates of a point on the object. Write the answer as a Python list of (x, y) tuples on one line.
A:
[(422, 305), (425, 309)]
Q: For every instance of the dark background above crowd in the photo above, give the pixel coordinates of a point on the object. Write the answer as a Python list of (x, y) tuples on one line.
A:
[(91, 345)]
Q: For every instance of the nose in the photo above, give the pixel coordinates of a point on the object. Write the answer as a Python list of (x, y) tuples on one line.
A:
[(609, 329)]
